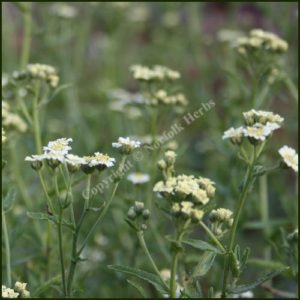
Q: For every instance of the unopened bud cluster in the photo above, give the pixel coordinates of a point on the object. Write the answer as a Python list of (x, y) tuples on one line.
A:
[(139, 214), (221, 220), (166, 165)]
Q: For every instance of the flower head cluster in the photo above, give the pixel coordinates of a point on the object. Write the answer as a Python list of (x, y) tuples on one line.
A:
[(57, 152), (186, 194), (259, 126), (39, 71), (12, 120), (221, 220), (159, 79), (126, 145), (289, 157), (261, 40), (156, 73), (19, 291)]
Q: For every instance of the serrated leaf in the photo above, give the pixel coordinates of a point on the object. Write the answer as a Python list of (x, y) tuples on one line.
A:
[(201, 245), (138, 287), (204, 265), (247, 287), (149, 277), (9, 200)]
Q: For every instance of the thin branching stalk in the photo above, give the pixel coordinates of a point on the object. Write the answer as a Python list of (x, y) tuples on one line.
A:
[(27, 17), (179, 236)]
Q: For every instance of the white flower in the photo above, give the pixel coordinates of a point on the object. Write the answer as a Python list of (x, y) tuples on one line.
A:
[(234, 134), (248, 294), (20, 286), (8, 293), (290, 157), (126, 145), (99, 160), (74, 160), (258, 131), (138, 178), (60, 146), (35, 158)]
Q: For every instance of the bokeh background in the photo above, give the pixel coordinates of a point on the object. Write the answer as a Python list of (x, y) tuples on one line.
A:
[(93, 45)]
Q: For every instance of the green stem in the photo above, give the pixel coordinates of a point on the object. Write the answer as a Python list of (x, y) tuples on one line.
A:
[(60, 236), (213, 237), (7, 249), (49, 201), (27, 36), (35, 118), (179, 237), (241, 203), (141, 239)]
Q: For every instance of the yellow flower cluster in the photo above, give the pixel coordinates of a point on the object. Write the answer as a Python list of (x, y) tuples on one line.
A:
[(261, 40)]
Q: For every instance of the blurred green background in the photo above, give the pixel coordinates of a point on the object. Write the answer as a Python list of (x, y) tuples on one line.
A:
[(93, 44)]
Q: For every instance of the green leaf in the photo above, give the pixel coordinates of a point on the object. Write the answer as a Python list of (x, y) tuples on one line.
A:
[(274, 265), (138, 287), (149, 277), (9, 200), (201, 245), (41, 216), (204, 265), (247, 287)]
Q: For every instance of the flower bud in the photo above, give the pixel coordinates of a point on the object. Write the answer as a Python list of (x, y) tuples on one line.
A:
[(146, 214), (144, 227), (131, 213), (36, 165), (161, 164), (138, 207)]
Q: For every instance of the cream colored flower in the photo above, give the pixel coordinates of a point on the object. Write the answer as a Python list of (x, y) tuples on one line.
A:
[(4, 139), (234, 134), (8, 293), (290, 157), (74, 160), (99, 160), (138, 178), (126, 145)]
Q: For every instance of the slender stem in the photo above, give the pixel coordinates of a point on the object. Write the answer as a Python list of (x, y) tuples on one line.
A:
[(7, 249), (60, 236), (49, 201), (27, 35), (241, 202), (88, 189), (213, 237), (179, 236), (35, 118), (101, 215), (141, 239)]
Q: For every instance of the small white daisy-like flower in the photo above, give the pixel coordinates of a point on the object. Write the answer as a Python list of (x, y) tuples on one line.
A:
[(138, 178), (34, 158), (74, 160), (60, 146), (126, 145), (290, 157), (20, 286), (98, 160), (258, 131), (234, 134)]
